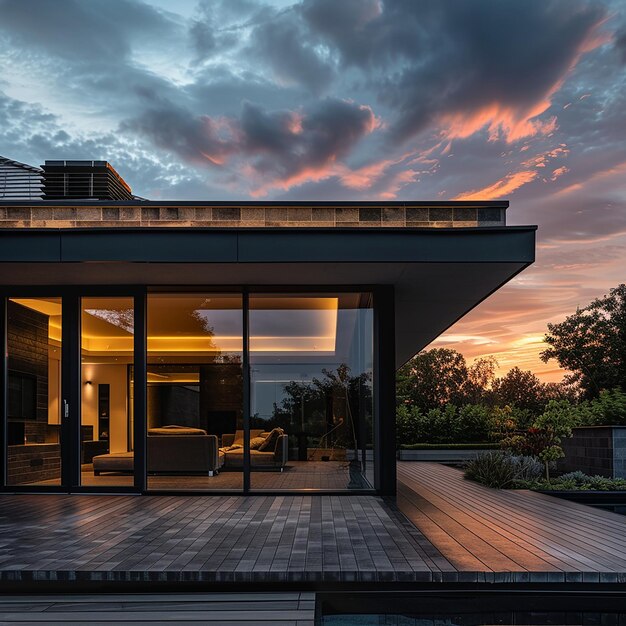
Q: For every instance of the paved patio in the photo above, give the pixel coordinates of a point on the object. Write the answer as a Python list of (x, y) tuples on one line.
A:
[(458, 532), (209, 538)]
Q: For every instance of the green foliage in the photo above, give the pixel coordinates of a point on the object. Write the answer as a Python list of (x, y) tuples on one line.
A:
[(501, 470), (474, 422), (556, 422), (574, 481), (608, 409), (448, 424), (559, 417), (432, 379), (591, 343), (543, 439), (530, 442), (492, 469), (408, 422), (519, 388)]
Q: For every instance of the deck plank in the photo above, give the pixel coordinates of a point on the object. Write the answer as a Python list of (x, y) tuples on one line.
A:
[(440, 528), (536, 530)]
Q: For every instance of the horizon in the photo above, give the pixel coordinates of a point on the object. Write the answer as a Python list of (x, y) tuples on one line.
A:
[(359, 100)]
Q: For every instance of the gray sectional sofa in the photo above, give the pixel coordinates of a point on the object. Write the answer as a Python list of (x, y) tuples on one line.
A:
[(181, 450), (274, 458), (170, 450)]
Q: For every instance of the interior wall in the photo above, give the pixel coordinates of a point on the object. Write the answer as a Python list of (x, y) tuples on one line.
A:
[(116, 376), (27, 350)]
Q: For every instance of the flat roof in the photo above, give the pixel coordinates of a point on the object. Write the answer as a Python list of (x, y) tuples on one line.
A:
[(438, 274)]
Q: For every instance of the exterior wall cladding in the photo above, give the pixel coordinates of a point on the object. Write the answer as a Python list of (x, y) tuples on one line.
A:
[(107, 215)]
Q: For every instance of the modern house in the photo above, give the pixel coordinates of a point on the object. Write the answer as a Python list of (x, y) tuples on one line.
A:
[(230, 347)]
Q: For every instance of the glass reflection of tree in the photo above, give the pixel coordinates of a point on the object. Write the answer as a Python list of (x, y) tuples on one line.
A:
[(334, 409)]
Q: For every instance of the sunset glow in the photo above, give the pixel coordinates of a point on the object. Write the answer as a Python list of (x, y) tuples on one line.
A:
[(378, 101)]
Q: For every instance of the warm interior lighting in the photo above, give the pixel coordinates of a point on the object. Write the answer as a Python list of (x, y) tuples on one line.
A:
[(189, 378), (108, 330)]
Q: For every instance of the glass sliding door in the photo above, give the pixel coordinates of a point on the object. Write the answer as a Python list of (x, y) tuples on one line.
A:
[(311, 372), (34, 404), (107, 355), (194, 391)]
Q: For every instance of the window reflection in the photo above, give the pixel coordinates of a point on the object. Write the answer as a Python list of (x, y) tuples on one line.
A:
[(311, 380)]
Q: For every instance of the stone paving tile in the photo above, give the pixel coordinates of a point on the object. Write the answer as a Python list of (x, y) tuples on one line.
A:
[(213, 538)]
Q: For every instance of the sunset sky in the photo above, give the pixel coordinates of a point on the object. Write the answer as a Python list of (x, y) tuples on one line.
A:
[(348, 100)]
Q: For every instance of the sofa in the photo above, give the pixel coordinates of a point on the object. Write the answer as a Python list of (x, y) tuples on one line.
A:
[(273, 458), (170, 450)]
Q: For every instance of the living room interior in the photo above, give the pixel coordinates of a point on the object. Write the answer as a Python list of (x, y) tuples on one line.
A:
[(310, 362)]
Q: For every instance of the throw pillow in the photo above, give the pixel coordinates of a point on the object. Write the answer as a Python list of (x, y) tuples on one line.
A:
[(256, 442), (270, 441)]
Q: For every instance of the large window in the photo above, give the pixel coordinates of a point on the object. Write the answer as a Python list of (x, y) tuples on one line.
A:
[(311, 359), (243, 391), (107, 351), (33, 392), (195, 391)]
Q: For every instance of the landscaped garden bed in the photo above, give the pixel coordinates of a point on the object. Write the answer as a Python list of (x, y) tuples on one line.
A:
[(503, 470)]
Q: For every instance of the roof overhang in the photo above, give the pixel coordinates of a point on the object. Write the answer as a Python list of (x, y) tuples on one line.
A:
[(438, 274)]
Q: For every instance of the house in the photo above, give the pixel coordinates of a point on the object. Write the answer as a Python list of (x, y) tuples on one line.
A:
[(226, 347)]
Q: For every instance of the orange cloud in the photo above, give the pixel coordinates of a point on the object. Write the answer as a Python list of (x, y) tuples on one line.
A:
[(559, 171), (501, 122), (397, 182), (501, 188)]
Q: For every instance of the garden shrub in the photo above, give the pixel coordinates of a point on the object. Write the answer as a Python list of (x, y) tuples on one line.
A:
[(573, 481), (449, 424), (608, 409), (501, 469)]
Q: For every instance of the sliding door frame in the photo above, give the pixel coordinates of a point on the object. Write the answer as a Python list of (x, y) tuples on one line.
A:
[(71, 383), (383, 379)]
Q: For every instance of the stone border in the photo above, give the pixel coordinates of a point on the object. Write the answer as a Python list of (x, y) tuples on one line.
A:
[(90, 216)]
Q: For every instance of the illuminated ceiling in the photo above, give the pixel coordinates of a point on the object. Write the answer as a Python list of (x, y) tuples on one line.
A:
[(181, 324)]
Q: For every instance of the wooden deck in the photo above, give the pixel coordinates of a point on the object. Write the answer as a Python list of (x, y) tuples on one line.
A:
[(163, 609), (458, 532), (487, 530)]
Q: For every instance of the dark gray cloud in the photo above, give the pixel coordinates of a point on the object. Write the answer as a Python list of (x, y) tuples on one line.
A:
[(283, 44), (620, 44), (433, 58), (176, 130), (288, 145), (277, 145), (81, 31), (217, 24)]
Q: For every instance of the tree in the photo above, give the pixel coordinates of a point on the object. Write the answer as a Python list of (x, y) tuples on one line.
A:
[(555, 423), (519, 388), (480, 376), (432, 379), (591, 344)]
